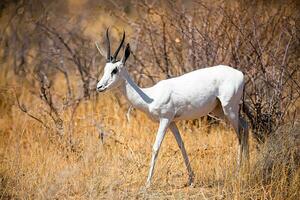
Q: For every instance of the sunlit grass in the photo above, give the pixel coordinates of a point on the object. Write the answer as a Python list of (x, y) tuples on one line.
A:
[(37, 163)]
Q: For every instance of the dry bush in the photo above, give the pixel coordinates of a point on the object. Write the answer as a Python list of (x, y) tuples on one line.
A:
[(279, 160), (168, 39), (173, 38)]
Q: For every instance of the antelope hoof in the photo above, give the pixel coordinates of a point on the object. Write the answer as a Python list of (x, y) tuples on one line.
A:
[(191, 184), (191, 181)]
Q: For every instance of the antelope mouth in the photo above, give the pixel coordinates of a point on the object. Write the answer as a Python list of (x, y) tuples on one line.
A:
[(102, 89)]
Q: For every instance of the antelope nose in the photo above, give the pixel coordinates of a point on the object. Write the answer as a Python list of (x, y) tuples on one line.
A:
[(99, 88)]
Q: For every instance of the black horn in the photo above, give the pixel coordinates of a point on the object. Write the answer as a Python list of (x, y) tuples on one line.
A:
[(108, 46), (118, 49)]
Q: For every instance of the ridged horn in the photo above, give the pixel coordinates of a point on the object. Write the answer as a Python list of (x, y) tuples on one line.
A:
[(118, 49), (108, 46)]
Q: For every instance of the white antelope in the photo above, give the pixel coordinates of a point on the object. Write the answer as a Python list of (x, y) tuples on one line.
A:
[(215, 90)]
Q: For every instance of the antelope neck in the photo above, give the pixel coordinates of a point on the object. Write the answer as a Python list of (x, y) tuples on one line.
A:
[(134, 94)]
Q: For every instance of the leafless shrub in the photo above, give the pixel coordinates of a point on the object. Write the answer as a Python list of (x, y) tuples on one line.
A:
[(279, 159), (174, 38), (170, 38), (42, 48), (266, 49)]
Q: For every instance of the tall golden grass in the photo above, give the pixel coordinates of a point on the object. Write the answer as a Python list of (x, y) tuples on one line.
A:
[(106, 156)]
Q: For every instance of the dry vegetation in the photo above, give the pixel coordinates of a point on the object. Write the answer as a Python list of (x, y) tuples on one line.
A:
[(61, 140)]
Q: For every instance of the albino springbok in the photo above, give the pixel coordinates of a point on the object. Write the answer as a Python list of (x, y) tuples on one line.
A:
[(214, 90)]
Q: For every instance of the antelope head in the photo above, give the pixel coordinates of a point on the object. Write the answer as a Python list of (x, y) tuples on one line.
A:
[(112, 76)]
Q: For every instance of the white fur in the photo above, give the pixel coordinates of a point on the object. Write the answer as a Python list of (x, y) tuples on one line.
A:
[(216, 90)]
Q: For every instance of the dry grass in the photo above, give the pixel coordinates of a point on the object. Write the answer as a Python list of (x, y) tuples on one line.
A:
[(38, 164)]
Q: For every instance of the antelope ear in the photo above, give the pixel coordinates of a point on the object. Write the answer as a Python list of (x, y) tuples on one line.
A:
[(126, 53)]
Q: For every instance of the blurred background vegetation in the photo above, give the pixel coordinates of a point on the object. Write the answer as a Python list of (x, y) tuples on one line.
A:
[(50, 66)]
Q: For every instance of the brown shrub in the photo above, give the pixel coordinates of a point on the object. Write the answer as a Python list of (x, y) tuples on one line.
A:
[(278, 161)]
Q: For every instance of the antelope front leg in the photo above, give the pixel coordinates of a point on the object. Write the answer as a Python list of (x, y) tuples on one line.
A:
[(163, 126), (180, 143)]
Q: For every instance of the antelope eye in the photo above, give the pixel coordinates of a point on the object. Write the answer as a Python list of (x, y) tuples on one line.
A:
[(114, 71)]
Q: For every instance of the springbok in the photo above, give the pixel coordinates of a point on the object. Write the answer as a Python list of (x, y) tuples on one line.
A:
[(215, 90)]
